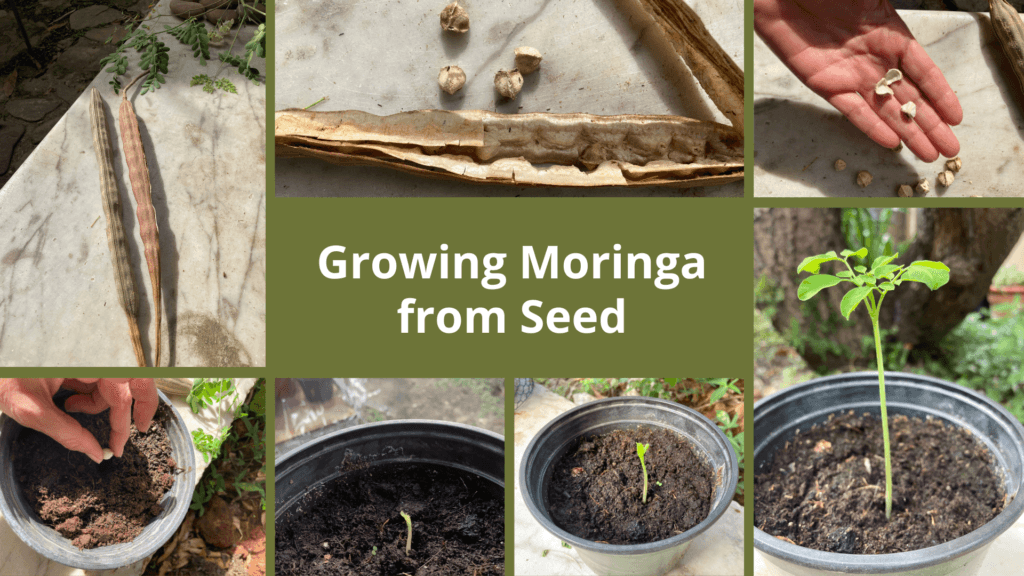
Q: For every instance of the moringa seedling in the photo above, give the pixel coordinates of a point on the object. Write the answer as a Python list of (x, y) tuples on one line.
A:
[(870, 287), (641, 449), (408, 541)]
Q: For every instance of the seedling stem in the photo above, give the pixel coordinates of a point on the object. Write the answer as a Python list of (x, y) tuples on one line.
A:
[(641, 449), (408, 541)]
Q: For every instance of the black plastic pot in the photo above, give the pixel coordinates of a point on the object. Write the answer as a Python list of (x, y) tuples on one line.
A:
[(413, 441), (603, 416), (52, 545), (777, 417)]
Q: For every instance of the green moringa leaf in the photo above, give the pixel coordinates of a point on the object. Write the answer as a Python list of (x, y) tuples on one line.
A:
[(852, 299), (846, 253), (931, 274), (861, 269), (886, 287), (882, 261), (814, 284), (862, 253), (864, 279), (885, 271), (845, 274), (813, 263)]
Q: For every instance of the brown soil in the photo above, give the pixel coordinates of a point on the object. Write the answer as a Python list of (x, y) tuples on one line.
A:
[(596, 488), (93, 504), (825, 489), (458, 525)]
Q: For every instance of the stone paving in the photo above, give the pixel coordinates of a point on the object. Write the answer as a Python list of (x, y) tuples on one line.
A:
[(69, 38)]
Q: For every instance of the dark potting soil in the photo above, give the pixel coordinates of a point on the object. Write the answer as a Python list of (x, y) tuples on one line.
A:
[(93, 504), (352, 527), (825, 489), (596, 488)]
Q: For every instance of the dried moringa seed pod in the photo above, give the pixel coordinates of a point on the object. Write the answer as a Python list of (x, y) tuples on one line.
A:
[(508, 83), (454, 18), (451, 79), (840, 165), (864, 178), (527, 59)]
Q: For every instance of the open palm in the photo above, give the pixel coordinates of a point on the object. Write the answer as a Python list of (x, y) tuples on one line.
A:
[(840, 50)]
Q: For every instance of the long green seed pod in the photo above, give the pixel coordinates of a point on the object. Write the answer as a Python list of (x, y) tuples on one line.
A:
[(117, 240)]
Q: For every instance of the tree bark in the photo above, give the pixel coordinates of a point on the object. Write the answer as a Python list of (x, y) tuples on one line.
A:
[(973, 242)]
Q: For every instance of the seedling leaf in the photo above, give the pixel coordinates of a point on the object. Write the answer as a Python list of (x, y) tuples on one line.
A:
[(814, 284), (932, 274), (813, 263), (852, 299)]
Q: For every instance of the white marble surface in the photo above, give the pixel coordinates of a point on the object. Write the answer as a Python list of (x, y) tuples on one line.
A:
[(18, 559), (716, 552), (384, 56), (207, 160), (798, 136)]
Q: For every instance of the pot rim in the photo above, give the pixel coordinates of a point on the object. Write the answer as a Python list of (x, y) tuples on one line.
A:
[(913, 559), (281, 461), (131, 553), (730, 479)]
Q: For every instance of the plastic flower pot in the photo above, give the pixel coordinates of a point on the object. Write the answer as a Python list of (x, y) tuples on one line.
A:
[(52, 545), (777, 417), (467, 448), (603, 416)]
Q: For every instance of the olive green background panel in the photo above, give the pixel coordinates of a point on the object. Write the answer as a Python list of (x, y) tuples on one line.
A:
[(320, 326)]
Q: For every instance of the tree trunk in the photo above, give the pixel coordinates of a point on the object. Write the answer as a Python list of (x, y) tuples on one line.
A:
[(973, 242)]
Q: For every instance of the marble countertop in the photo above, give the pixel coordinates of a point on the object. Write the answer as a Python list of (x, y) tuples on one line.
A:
[(18, 559), (716, 552), (207, 160), (798, 136), (384, 57)]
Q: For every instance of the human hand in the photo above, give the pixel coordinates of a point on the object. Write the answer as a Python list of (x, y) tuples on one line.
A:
[(840, 50), (30, 403)]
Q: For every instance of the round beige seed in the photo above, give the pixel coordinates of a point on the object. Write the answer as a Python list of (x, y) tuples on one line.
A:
[(508, 83), (840, 165), (946, 178), (954, 165), (905, 191), (451, 79), (108, 453), (922, 186), (527, 59), (864, 178), (454, 18)]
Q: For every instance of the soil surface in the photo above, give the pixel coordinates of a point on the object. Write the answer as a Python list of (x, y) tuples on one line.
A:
[(825, 489), (93, 504), (596, 488), (352, 526)]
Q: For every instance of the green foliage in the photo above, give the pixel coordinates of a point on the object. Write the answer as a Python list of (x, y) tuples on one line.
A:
[(257, 46), (1008, 276), (193, 33), (983, 353), (727, 425), (862, 229), (210, 85), (208, 444), (641, 449), (206, 490), (566, 545), (206, 393)]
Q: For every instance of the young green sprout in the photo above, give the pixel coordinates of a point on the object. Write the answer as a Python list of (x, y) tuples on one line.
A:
[(641, 449), (408, 523), (870, 287)]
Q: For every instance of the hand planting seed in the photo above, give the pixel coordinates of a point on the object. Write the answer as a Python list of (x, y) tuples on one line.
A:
[(451, 79), (454, 18), (527, 59), (408, 541), (870, 287), (508, 83), (108, 453), (641, 449)]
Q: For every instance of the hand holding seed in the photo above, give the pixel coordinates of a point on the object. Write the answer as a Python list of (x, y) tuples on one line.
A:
[(840, 50), (30, 403)]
